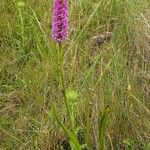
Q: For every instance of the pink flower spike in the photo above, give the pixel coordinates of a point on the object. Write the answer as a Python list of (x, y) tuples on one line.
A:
[(60, 20)]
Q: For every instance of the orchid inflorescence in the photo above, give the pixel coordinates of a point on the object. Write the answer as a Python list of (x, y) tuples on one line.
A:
[(60, 20)]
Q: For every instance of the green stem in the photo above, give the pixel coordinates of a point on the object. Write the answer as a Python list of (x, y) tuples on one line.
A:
[(61, 58), (102, 126), (67, 132)]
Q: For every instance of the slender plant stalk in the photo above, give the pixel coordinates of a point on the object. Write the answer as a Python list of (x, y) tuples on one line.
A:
[(140, 103), (88, 123), (71, 135), (63, 84), (102, 126)]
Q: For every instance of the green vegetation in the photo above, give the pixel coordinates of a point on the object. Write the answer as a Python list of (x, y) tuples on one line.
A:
[(107, 83)]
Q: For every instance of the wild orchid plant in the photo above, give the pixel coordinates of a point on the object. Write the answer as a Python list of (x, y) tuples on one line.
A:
[(59, 34)]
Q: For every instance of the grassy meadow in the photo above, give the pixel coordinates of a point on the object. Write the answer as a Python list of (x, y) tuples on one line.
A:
[(106, 70)]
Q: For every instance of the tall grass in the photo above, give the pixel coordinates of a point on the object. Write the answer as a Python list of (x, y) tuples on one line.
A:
[(118, 76)]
